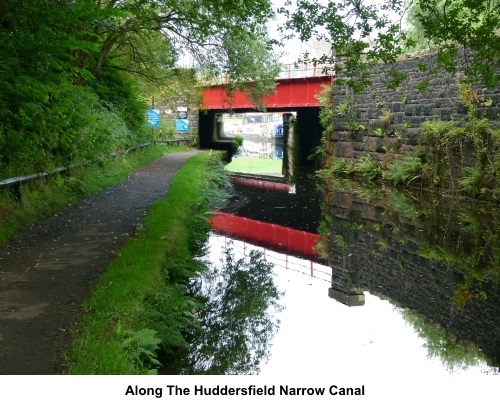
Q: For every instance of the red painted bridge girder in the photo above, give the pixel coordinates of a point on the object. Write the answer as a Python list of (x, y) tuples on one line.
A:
[(290, 93)]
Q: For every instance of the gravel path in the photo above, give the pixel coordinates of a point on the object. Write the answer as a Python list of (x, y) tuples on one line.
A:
[(46, 271)]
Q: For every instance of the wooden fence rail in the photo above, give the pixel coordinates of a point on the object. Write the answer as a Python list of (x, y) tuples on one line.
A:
[(15, 182)]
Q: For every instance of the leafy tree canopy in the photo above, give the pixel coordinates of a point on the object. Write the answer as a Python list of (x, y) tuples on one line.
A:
[(58, 54), (81, 37), (366, 32), (447, 26)]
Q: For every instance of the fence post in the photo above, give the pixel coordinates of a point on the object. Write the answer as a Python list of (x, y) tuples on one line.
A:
[(16, 191)]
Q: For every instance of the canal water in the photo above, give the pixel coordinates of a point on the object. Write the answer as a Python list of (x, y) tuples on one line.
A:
[(427, 269), (405, 281)]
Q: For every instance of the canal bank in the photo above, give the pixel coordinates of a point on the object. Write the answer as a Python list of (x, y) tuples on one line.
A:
[(48, 270), (140, 305)]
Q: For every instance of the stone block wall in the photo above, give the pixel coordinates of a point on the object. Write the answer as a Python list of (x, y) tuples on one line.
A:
[(168, 116), (398, 113)]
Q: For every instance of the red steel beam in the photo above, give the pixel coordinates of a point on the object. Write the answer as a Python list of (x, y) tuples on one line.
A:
[(289, 93)]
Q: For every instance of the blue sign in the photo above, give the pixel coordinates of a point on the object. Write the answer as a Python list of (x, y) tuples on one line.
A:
[(279, 152), (279, 131), (153, 118), (181, 125)]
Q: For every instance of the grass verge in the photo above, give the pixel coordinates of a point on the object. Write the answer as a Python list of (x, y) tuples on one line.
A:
[(118, 332), (254, 165), (42, 198)]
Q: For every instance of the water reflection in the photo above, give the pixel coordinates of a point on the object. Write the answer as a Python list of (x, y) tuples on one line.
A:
[(320, 336), (237, 317), (437, 257), (426, 268), (298, 210), (442, 346)]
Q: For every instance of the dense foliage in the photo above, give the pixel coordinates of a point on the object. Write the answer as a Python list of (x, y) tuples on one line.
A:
[(73, 72), (448, 26)]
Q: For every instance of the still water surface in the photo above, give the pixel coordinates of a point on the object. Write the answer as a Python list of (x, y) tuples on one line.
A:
[(427, 270)]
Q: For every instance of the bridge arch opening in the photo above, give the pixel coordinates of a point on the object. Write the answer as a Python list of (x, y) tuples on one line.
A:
[(289, 135)]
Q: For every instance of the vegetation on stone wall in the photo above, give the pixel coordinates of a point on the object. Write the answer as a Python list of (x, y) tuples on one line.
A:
[(461, 156), (326, 120), (464, 156), (458, 235)]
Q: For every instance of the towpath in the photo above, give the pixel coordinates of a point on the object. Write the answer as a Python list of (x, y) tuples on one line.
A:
[(47, 270)]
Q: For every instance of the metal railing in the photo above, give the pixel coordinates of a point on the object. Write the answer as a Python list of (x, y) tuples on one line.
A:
[(282, 261), (302, 70), (15, 182), (288, 71)]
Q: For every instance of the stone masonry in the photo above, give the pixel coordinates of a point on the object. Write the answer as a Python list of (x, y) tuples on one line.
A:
[(398, 113)]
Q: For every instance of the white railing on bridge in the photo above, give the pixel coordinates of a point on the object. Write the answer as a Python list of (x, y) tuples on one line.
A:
[(288, 71), (302, 70), (281, 261)]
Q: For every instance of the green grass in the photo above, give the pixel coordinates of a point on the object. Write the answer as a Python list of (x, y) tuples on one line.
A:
[(255, 165), (119, 301), (40, 198)]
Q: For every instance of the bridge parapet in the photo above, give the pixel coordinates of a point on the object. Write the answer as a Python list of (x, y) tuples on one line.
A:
[(303, 70)]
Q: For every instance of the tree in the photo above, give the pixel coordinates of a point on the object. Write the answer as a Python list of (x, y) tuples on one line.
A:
[(65, 60), (362, 33), (206, 29), (365, 32), (473, 26), (145, 37)]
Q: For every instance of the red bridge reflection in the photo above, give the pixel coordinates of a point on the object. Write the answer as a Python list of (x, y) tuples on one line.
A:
[(281, 238), (268, 185)]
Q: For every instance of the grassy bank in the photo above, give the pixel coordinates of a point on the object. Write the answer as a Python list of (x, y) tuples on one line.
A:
[(42, 198), (139, 304)]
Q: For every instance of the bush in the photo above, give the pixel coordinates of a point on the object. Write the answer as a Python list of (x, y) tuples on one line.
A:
[(236, 143), (341, 166)]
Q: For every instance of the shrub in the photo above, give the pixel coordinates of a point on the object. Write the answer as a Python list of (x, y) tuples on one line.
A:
[(472, 183), (341, 167)]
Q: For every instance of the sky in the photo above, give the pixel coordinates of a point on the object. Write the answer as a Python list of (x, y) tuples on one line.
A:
[(295, 48)]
